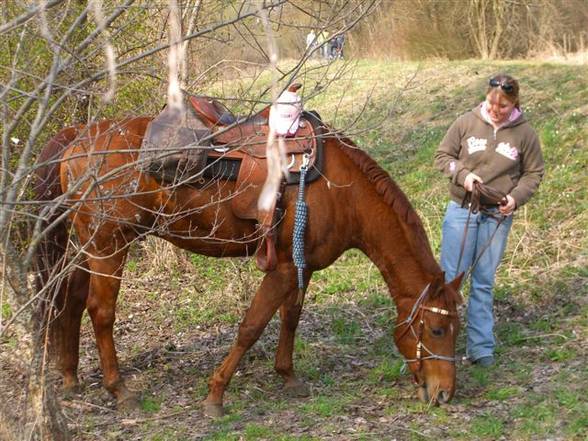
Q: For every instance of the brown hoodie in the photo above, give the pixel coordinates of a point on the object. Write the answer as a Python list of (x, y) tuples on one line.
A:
[(508, 159)]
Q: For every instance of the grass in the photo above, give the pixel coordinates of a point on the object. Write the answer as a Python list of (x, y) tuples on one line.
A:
[(487, 427), (386, 372), (347, 332), (503, 393), (324, 406), (150, 405)]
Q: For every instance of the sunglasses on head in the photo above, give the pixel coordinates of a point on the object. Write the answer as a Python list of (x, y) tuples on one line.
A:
[(494, 82)]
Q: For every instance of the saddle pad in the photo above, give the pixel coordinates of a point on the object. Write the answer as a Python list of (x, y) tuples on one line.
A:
[(174, 147)]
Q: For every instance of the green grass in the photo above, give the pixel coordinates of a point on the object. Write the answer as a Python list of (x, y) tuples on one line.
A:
[(386, 372), (503, 393), (561, 354), (150, 405), (536, 420), (6, 311), (324, 406), (510, 334), (131, 265), (346, 331), (481, 375), (487, 427), (194, 315), (257, 431)]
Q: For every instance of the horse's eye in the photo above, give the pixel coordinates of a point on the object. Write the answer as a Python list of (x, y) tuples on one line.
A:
[(438, 332)]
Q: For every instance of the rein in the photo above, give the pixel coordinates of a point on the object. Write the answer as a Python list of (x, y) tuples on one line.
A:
[(473, 199)]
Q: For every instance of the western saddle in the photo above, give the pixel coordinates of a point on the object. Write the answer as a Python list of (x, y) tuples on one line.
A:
[(208, 142)]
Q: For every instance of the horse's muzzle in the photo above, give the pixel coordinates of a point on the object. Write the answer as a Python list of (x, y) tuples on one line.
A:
[(433, 395)]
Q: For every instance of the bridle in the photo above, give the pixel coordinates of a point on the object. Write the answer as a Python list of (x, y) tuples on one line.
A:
[(417, 314)]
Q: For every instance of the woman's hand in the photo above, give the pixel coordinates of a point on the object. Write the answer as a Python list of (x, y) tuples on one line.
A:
[(468, 182), (507, 208)]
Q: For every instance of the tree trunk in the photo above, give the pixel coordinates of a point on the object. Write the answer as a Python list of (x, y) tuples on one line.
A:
[(477, 24), (42, 418), (499, 9), (46, 421)]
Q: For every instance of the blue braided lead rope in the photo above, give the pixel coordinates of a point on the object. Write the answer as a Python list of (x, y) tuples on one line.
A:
[(299, 229)]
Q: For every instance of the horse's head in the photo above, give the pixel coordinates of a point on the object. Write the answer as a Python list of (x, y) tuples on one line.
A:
[(426, 334)]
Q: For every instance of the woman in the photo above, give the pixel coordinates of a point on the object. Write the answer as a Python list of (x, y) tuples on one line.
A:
[(493, 144)]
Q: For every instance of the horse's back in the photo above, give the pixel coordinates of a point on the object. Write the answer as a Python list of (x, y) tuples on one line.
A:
[(99, 172), (99, 146)]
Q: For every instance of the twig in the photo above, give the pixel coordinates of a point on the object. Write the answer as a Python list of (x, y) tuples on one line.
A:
[(77, 404), (530, 337)]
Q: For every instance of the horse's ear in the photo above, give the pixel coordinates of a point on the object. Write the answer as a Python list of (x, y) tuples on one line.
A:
[(294, 87), (437, 285), (456, 283)]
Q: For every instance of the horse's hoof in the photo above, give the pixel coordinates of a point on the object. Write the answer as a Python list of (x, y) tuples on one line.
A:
[(297, 389), (129, 402), (71, 391), (213, 410)]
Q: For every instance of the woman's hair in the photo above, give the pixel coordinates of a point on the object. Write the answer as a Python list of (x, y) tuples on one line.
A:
[(506, 86)]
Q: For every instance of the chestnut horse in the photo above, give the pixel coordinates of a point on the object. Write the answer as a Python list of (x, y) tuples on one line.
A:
[(92, 174)]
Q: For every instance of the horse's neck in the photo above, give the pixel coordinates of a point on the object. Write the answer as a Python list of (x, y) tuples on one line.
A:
[(399, 250)]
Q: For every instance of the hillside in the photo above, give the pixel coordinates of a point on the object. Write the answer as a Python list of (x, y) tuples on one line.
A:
[(178, 313)]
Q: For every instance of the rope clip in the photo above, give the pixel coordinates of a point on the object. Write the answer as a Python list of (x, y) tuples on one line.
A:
[(305, 160)]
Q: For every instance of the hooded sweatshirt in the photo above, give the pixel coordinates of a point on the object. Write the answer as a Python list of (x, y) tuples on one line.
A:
[(508, 158)]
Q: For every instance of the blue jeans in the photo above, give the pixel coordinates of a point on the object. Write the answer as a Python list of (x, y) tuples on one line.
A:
[(480, 317)]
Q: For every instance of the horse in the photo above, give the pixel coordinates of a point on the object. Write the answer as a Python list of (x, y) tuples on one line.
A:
[(89, 172)]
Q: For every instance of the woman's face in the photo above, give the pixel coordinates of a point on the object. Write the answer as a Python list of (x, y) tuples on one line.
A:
[(499, 107)]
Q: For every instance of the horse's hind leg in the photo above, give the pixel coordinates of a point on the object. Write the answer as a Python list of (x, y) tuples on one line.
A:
[(269, 296), (66, 326), (104, 286), (290, 315)]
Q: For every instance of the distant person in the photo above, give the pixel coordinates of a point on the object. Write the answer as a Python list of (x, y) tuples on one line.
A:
[(339, 42), (323, 43), (310, 41), (332, 48), (495, 145)]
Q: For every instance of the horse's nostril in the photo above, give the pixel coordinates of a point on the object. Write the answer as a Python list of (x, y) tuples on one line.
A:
[(443, 397)]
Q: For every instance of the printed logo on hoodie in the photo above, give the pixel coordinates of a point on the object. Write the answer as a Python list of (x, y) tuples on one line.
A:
[(507, 151), (476, 144)]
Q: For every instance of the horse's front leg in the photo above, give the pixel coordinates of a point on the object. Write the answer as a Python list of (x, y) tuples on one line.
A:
[(104, 286), (290, 315), (269, 296)]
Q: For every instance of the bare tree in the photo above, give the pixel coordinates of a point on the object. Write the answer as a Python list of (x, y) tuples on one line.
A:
[(486, 29), (66, 62)]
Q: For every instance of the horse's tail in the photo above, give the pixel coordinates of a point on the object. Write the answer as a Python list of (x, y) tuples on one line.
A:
[(46, 191), (50, 263)]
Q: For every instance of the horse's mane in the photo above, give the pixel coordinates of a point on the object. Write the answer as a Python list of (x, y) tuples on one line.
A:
[(396, 199)]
